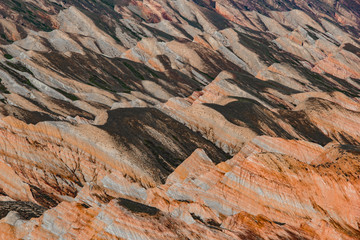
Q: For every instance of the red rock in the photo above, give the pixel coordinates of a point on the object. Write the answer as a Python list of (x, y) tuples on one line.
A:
[(179, 119)]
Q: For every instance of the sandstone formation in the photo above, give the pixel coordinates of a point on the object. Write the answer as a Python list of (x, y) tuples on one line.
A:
[(160, 119)]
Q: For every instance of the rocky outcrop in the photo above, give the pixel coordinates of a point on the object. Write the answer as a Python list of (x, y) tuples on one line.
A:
[(203, 196), (179, 119)]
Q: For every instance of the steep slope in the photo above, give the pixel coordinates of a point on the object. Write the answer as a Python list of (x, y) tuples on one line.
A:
[(179, 119)]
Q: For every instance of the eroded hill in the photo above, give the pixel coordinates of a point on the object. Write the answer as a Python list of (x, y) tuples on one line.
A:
[(179, 119)]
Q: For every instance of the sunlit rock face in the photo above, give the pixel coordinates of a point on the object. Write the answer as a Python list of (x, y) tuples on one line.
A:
[(179, 119)]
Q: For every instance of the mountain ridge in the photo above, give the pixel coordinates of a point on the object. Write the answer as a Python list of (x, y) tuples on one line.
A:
[(179, 119)]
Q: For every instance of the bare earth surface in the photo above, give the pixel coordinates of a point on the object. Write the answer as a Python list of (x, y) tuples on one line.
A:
[(181, 119)]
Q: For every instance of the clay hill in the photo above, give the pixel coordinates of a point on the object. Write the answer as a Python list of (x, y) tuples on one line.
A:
[(179, 119)]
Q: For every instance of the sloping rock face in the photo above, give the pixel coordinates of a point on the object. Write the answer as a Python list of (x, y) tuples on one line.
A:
[(179, 119)]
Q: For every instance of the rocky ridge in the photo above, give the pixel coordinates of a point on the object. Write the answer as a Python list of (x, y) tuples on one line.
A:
[(179, 119)]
